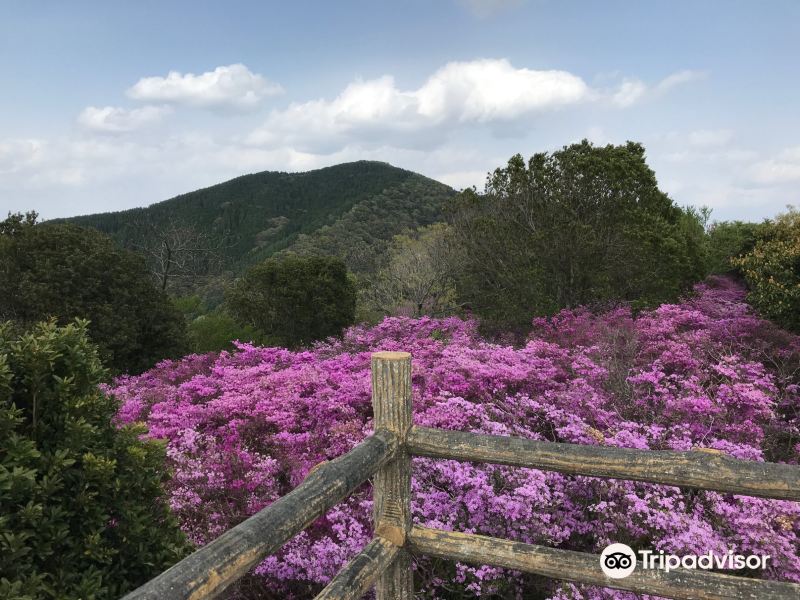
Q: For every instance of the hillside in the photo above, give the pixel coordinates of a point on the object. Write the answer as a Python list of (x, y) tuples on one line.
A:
[(350, 210)]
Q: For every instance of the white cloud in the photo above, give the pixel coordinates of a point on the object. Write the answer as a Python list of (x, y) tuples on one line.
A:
[(704, 138), (233, 86), (784, 168), (463, 179), (679, 78), (16, 155), (112, 119), (629, 92), (477, 92), (487, 90)]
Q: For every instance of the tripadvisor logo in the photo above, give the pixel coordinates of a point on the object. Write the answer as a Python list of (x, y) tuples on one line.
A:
[(619, 560)]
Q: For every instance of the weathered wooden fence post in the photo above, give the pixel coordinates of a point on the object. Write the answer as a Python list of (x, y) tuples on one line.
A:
[(391, 402)]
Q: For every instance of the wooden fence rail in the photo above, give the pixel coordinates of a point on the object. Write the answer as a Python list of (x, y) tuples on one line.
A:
[(386, 561), (698, 469)]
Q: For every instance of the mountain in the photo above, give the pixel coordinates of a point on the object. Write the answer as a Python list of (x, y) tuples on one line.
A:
[(350, 210)]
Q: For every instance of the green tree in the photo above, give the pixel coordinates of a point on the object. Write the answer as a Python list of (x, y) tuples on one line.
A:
[(728, 240), (294, 300), (772, 270), (82, 510), (66, 271), (418, 277), (581, 225)]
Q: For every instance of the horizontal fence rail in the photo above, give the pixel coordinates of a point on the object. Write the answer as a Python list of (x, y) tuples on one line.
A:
[(697, 469), (208, 571), (386, 561), (360, 574), (585, 568)]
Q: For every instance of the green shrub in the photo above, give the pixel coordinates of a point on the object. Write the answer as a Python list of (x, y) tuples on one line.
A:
[(772, 270), (65, 271), (212, 330), (294, 300), (217, 330), (82, 510)]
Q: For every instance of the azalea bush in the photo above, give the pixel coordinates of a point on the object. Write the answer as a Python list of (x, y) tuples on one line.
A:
[(245, 427)]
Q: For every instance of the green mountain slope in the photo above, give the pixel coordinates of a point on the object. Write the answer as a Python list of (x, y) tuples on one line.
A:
[(349, 210), (362, 234)]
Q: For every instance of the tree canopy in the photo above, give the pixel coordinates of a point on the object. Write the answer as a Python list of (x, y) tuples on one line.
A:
[(417, 277), (772, 270), (294, 300), (66, 271), (582, 225)]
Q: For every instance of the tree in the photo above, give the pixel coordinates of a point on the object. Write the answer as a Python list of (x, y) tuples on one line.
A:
[(180, 257), (418, 276), (728, 240), (772, 270), (582, 225), (84, 514), (65, 271), (294, 300)]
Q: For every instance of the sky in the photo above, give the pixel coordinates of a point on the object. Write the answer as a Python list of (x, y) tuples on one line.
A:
[(110, 105)]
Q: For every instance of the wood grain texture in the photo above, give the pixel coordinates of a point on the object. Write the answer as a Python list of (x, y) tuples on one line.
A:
[(208, 571), (585, 568), (391, 403), (704, 470), (352, 582)]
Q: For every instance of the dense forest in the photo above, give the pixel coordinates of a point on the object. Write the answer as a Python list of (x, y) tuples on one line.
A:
[(179, 367), (351, 210)]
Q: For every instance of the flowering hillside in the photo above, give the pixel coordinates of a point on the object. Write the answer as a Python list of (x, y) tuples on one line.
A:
[(244, 428)]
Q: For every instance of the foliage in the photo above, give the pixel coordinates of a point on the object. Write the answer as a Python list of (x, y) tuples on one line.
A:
[(217, 331), (363, 235), (243, 428), (83, 513), (294, 300), (344, 210), (582, 225), (65, 271), (212, 330), (418, 277), (190, 307), (728, 240), (772, 270)]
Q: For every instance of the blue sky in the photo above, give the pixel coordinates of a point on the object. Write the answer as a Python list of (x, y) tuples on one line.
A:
[(111, 105)]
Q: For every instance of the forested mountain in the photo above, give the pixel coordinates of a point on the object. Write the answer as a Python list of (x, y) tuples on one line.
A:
[(362, 235), (350, 210)]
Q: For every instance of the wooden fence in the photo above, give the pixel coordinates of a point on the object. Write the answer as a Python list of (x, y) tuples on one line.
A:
[(385, 561)]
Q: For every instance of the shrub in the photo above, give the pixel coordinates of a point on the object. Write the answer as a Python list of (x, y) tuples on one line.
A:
[(245, 427), (212, 330), (772, 271), (217, 331), (294, 300), (82, 508), (65, 271)]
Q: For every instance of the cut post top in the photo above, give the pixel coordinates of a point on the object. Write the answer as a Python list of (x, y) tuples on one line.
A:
[(388, 355)]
